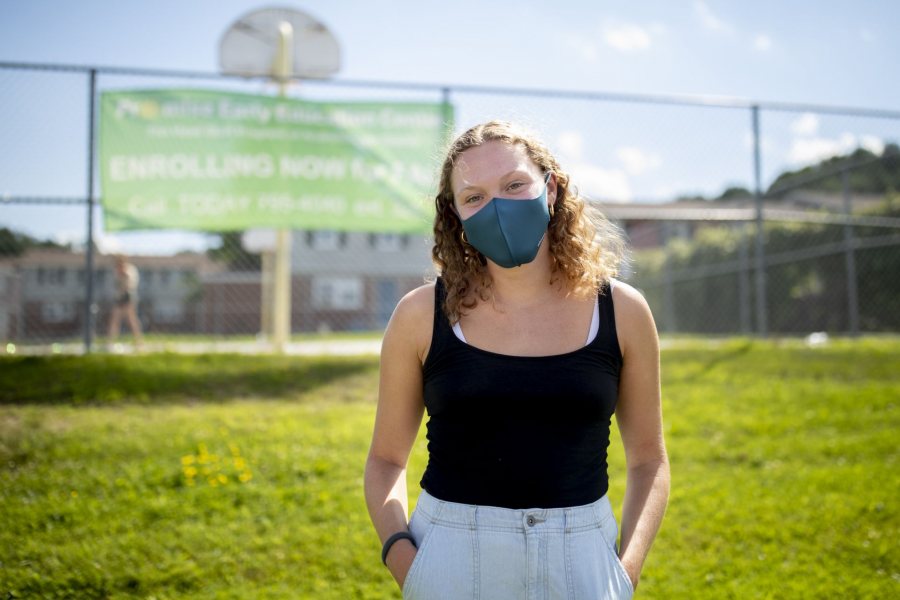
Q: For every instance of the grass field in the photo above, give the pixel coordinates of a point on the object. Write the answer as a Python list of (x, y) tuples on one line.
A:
[(217, 476)]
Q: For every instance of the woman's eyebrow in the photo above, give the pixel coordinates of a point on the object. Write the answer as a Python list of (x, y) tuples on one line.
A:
[(509, 175)]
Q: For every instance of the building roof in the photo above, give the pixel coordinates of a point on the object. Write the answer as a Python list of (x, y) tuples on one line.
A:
[(799, 205), (57, 257)]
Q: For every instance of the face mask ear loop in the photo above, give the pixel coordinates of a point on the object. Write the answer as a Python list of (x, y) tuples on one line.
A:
[(552, 205)]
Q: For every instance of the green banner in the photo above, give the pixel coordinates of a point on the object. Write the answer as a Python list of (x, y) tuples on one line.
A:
[(215, 161)]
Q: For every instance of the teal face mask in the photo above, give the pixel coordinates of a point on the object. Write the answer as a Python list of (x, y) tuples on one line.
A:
[(509, 232)]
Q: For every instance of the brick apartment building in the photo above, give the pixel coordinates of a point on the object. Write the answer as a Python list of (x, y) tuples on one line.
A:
[(341, 281)]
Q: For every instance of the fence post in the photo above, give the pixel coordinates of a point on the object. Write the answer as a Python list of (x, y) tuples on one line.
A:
[(671, 317), (850, 258), (447, 113), (89, 243), (743, 278), (762, 325)]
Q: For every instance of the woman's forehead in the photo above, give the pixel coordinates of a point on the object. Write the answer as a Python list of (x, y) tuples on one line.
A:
[(489, 161)]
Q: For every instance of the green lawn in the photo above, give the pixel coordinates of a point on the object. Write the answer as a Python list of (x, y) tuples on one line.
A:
[(217, 476)]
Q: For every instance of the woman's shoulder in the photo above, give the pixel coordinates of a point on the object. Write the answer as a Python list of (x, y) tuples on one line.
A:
[(413, 318), (624, 295), (634, 320), (418, 301)]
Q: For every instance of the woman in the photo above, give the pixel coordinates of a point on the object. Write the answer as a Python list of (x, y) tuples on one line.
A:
[(125, 305), (514, 495)]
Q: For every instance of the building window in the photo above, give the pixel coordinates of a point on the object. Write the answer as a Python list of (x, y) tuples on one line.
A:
[(57, 312), (337, 293), (387, 242), (326, 240), (51, 276)]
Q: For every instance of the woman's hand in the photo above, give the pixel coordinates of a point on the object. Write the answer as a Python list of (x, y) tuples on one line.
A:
[(633, 572), (400, 559)]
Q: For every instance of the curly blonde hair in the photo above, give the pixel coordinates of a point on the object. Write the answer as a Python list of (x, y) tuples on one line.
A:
[(585, 247)]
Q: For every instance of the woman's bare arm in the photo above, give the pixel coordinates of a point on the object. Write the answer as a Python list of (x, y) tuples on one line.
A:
[(397, 421), (639, 417)]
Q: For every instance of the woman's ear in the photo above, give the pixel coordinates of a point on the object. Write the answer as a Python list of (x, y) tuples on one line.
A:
[(551, 188)]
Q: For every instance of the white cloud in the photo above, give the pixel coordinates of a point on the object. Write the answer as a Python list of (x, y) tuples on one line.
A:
[(622, 37), (69, 236), (812, 150), (636, 161), (709, 20), (608, 185), (571, 143), (807, 147), (108, 244), (626, 37), (762, 43), (848, 141), (872, 143), (807, 150), (806, 124)]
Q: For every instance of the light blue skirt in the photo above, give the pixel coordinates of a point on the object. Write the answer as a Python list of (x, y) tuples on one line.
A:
[(471, 552)]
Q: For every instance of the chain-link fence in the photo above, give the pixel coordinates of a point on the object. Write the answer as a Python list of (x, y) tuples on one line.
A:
[(742, 218)]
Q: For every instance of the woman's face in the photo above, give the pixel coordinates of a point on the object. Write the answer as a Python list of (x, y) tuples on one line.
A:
[(495, 169)]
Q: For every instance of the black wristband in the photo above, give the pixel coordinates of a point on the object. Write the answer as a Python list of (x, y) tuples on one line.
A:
[(400, 535)]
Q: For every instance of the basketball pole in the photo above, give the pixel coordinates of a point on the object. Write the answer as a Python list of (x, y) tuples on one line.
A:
[(281, 309)]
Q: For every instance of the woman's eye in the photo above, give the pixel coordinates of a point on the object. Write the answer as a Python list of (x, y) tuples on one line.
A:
[(472, 199), (515, 185)]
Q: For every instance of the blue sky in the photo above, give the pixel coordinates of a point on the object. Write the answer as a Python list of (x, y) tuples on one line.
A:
[(826, 53)]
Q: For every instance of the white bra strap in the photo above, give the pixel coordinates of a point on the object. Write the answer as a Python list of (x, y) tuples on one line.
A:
[(595, 324), (458, 331)]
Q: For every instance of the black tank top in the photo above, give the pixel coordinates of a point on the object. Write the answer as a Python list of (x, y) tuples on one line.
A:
[(519, 431)]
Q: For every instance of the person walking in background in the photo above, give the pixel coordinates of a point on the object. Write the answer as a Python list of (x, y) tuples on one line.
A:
[(125, 303), (520, 352)]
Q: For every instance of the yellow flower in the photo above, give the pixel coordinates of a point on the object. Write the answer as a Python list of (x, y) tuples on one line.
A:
[(245, 477), (187, 460)]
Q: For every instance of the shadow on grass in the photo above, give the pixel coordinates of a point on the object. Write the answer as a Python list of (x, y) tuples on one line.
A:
[(715, 359), (155, 378)]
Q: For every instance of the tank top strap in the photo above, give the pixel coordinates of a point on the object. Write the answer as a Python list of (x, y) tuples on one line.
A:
[(441, 329), (607, 334), (440, 293)]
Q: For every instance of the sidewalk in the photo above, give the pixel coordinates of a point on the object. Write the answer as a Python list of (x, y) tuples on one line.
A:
[(304, 348)]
